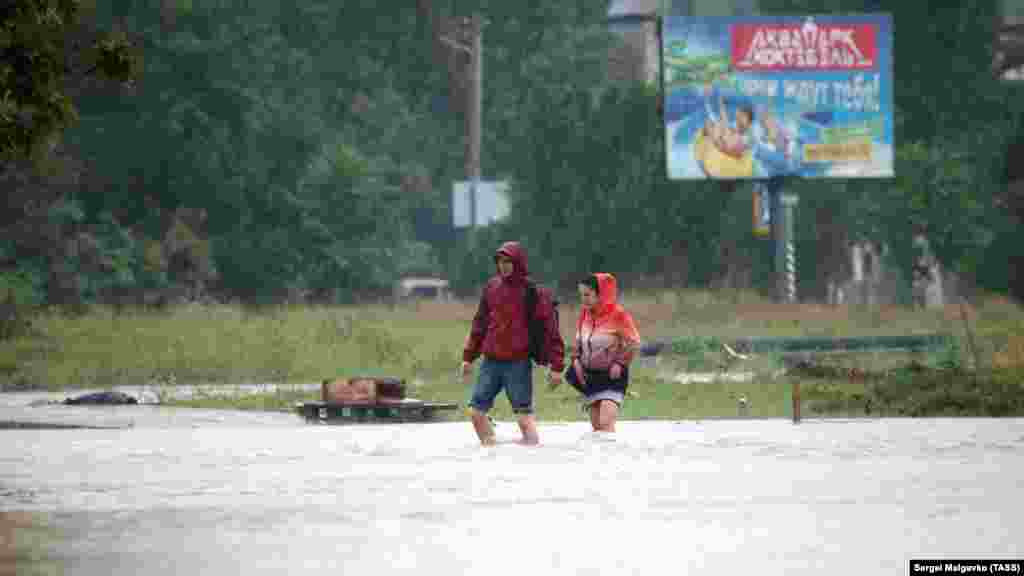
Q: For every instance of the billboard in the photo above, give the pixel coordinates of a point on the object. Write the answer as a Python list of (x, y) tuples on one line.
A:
[(751, 97)]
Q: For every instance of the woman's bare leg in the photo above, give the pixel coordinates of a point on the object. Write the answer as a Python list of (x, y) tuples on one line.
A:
[(608, 411), (528, 426)]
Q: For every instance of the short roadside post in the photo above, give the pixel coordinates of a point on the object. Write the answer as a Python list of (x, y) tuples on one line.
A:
[(796, 401)]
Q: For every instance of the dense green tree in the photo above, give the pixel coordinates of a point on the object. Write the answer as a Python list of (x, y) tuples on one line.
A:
[(309, 147), (49, 51)]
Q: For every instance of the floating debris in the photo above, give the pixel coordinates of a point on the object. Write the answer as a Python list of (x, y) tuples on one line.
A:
[(107, 398)]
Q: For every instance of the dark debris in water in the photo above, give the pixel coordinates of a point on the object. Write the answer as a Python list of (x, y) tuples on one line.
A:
[(108, 398), (15, 425)]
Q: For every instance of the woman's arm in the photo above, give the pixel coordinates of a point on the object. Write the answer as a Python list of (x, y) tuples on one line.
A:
[(554, 347)]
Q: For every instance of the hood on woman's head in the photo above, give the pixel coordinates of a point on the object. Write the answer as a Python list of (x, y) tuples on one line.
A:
[(608, 291)]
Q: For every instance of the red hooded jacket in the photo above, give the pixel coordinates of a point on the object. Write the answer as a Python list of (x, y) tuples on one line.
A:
[(500, 328)]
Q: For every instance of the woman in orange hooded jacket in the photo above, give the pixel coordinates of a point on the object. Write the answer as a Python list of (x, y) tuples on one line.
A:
[(606, 341)]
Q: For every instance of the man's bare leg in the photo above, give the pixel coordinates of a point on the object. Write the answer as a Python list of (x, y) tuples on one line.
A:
[(595, 416), (482, 426), (528, 426)]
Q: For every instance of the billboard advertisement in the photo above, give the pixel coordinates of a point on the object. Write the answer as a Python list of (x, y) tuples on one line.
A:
[(751, 97)]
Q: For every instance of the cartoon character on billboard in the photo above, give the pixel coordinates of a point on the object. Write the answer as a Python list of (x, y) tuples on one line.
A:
[(772, 131), (723, 149), (776, 146)]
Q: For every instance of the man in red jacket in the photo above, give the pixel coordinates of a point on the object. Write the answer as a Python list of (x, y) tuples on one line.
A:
[(501, 334)]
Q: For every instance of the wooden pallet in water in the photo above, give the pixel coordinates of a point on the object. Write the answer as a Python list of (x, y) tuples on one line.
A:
[(406, 410)]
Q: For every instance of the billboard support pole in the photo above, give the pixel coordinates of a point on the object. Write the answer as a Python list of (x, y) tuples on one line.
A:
[(783, 237), (789, 202)]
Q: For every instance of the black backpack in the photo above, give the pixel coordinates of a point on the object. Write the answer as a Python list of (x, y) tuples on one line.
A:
[(538, 350)]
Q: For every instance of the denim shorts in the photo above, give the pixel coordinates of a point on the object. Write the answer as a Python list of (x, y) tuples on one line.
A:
[(514, 376)]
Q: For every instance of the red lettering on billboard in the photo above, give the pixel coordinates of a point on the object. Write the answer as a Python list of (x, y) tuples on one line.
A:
[(807, 46)]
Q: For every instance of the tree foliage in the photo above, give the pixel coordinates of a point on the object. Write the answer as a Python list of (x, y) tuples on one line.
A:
[(48, 51), (305, 147)]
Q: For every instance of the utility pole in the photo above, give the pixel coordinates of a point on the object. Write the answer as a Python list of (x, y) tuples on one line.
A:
[(475, 109), (475, 50)]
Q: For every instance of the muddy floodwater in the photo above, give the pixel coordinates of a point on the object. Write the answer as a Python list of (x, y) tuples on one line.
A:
[(210, 492)]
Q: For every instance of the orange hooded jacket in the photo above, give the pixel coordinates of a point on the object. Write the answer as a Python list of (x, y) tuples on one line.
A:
[(608, 335)]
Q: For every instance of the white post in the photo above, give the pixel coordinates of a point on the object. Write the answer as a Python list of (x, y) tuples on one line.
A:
[(857, 260)]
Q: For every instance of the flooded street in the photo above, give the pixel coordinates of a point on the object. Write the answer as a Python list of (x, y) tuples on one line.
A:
[(228, 493)]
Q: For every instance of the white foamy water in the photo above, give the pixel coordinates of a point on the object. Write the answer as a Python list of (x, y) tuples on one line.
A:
[(719, 497)]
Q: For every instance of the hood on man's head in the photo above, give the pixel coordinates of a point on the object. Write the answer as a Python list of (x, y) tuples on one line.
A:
[(514, 252)]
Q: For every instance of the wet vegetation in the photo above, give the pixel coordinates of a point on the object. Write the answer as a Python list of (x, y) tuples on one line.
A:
[(278, 190), (922, 391), (421, 342), (27, 541)]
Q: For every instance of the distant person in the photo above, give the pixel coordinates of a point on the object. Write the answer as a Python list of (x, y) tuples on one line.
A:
[(501, 334), (606, 340)]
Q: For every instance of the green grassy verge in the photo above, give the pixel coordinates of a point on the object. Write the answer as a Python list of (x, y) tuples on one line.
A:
[(26, 542), (649, 398), (227, 345), (943, 392), (422, 342)]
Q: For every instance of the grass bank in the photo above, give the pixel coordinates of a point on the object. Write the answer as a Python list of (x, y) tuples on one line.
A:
[(27, 541), (421, 342), (921, 391)]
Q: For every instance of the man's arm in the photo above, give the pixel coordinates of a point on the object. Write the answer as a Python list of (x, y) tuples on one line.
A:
[(555, 347)]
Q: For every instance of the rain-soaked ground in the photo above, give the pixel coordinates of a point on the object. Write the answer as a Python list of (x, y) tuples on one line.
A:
[(209, 492)]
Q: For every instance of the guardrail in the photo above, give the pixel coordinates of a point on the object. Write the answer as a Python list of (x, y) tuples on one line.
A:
[(790, 347), (761, 345)]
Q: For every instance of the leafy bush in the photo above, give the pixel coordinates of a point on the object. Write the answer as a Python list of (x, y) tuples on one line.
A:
[(21, 292)]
